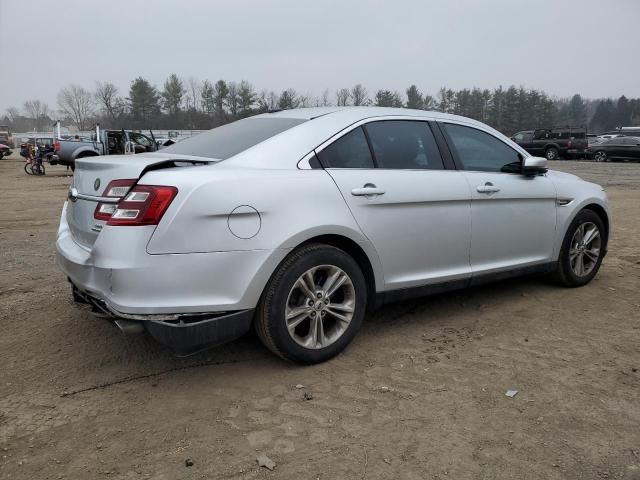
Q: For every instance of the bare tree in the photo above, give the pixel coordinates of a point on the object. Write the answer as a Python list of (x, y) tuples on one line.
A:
[(194, 89), (13, 113), (342, 97), (305, 100), (233, 100), (77, 103), (106, 96), (324, 98), (359, 95), (38, 112)]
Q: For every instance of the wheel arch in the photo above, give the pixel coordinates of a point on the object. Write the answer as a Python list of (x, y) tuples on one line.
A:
[(356, 252), (86, 152), (602, 213)]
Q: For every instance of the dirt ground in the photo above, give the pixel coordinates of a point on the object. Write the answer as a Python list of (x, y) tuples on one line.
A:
[(420, 394)]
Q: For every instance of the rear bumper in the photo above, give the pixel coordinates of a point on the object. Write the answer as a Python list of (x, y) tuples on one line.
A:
[(183, 334)]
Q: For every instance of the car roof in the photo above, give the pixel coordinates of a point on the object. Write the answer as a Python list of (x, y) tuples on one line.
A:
[(361, 112)]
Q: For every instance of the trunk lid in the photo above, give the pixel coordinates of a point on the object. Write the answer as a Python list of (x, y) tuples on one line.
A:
[(92, 176)]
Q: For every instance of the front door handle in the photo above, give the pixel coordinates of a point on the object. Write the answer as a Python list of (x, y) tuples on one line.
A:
[(368, 190), (487, 188)]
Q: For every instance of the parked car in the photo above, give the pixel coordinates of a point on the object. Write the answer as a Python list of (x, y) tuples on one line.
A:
[(104, 142), (5, 136), (5, 150), (299, 222), (624, 132), (618, 148), (553, 143)]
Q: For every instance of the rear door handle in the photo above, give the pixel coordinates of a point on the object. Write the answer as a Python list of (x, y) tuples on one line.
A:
[(487, 188), (368, 190)]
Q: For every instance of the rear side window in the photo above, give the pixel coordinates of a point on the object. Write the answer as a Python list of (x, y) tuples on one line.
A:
[(349, 151), (233, 138), (560, 134), (481, 152), (399, 144)]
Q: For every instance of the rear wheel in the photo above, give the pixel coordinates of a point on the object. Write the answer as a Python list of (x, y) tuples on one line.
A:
[(551, 153), (582, 249), (600, 156), (313, 305)]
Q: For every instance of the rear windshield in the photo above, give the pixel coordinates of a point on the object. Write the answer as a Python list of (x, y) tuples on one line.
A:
[(228, 140)]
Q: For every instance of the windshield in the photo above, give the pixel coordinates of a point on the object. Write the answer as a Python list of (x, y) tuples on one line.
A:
[(228, 140)]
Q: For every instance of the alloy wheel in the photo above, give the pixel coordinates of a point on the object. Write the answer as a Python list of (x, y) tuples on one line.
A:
[(320, 306), (600, 156), (584, 252)]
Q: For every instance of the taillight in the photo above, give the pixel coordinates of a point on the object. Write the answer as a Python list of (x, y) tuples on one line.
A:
[(56, 146), (115, 189), (143, 205), (569, 143)]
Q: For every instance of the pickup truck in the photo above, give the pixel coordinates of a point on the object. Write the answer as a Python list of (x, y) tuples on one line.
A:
[(553, 143), (103, 142)]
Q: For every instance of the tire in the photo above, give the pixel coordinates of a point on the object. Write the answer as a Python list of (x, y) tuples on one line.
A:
[(600, 156), (552, 153), (28, 169), (573, 252), (285, 294)]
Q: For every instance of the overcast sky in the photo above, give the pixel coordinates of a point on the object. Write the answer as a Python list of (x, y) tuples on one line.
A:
[(591, 47)]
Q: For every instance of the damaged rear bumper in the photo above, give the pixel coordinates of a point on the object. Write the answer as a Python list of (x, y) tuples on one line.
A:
[(182, 333)]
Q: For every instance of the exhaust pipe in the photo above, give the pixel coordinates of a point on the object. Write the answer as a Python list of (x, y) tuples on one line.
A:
[(129, 327)]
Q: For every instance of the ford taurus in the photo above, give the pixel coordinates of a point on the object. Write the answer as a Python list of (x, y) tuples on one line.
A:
[(299, 222)]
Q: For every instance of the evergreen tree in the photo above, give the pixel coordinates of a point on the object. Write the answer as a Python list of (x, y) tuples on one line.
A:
[(220, 92), (246, 98), (387, 98), (144, 102), (207, 96), (172, 94), (288, 99), (577, 111), (414, 98)]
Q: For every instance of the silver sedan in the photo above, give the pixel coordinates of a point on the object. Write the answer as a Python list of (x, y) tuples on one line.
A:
[(299, 222)]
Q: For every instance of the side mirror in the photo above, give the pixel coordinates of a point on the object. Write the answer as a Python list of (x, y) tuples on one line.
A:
[(534, 165)]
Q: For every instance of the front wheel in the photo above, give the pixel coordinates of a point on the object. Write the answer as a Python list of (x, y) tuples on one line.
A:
[(28, 168), (582, 250), (551, 153), (313, 305), (600, 156)]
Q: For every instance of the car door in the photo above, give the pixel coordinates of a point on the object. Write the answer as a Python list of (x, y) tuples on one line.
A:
[(627, 148), (513, 215), (415, 212), (635, 149)]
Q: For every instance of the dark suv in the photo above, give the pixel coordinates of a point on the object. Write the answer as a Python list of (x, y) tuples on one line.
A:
[(553, 143)]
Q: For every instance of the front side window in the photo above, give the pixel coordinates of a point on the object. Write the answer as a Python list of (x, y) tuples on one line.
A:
[(404, 144), (140, 139), (482, 152), (349, 151)]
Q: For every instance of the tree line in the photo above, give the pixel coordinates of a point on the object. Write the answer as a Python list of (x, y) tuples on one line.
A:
[(193, 104)]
